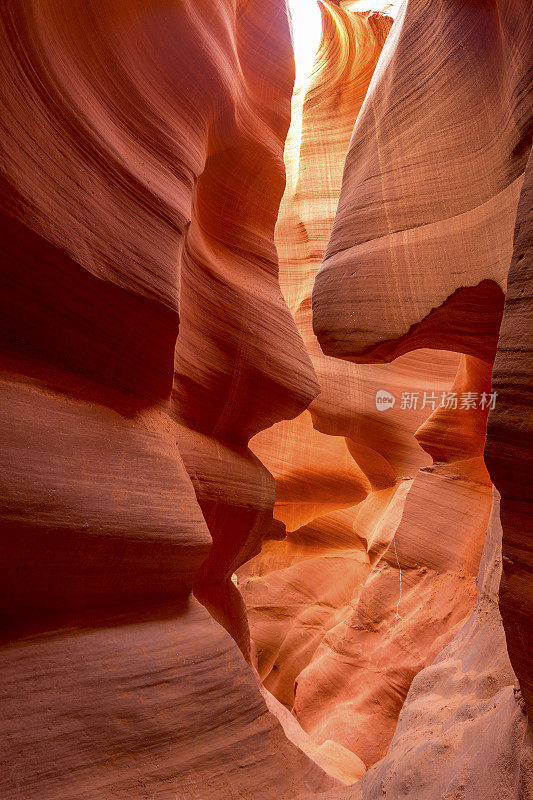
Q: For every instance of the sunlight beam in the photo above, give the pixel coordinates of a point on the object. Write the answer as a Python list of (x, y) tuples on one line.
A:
[(306, 29)]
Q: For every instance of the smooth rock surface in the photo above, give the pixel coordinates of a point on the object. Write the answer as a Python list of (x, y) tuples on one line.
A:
[(509, 442), (142, 172)]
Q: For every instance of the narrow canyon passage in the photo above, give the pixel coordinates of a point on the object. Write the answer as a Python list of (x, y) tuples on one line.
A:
[(385, 508), (250, 524)]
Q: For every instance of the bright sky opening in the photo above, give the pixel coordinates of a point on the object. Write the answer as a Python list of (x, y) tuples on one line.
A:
[(306, 27), (307, 24)]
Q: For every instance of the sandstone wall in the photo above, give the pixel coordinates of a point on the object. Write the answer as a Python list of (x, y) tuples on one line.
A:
[(144, 340)]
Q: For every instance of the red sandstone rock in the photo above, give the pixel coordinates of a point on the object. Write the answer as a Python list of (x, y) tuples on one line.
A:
[(423, 234), (509, 440), (377, 571), (462, 731), (145, 341), (408, 202), (142, 171)]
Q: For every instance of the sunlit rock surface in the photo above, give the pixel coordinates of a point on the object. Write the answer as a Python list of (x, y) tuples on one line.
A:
[(418, 257), (421, 242), (386, 510), (462, 732)]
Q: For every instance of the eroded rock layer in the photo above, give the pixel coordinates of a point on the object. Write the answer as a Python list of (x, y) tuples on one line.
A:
[(419, 198), (142, 171), (418, 257), (509, 442), (386, 508), (145, 341), (462, 731)]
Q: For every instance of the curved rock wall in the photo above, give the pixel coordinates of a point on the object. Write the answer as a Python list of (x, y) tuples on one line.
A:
[(142, 171), (367, 587), (509, 441), (144, 341), (421, 246), (462, 731), (419, 199)]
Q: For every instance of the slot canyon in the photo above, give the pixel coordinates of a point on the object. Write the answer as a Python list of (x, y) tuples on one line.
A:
[(266, 334)]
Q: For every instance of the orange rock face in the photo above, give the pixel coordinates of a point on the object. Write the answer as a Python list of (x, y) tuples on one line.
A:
[(376, 575), (462, 731), (509, 438), (440, 236), (386, 508), (418, 257), (141, 177), (243, 406)]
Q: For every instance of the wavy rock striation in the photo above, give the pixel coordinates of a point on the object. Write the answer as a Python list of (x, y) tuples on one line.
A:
[(420, 200), (145, 342), (462, 731), (509, 440), (141, 177), (421, 245), (367, 587)]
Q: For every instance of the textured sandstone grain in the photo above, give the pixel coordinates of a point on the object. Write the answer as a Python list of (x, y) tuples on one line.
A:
[(377, 571), (462, 732), (421, 245), (142, 172), (509, 442), (147, 337), (431, 183)]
